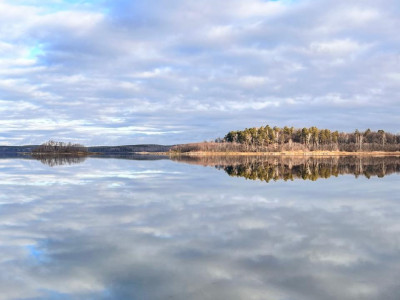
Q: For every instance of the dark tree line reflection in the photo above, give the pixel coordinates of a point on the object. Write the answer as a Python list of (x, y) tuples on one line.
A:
[(267, 168), (53, 160), (58, 160)]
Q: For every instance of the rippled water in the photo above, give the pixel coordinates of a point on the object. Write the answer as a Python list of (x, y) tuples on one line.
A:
[(161, 229)]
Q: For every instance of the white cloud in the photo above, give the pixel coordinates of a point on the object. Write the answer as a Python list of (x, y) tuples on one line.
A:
[(196, 66), (336, 47)]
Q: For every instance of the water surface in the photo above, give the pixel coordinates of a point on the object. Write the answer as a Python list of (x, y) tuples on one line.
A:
[(159, 229)]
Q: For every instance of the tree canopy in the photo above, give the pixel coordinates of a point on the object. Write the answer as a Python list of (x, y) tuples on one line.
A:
[(313, 138)]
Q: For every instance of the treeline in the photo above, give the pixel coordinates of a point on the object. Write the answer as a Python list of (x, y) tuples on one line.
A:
[(16, 149), (128, 149), (266, 138), (275, 139), (52, 147)]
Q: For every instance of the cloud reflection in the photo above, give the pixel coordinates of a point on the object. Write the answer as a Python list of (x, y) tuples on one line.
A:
[(189, 232)]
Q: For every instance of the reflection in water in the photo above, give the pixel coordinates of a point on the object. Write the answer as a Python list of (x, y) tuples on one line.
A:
[(59, 160), (269, 168), (114, 229), (265, 168), (133, 156)]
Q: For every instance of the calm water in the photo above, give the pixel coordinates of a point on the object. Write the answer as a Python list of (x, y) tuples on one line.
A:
[(160, 229)]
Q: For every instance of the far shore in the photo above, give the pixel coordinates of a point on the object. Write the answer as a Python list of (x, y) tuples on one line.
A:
[(282, 153), (60, 153), (211, 153)]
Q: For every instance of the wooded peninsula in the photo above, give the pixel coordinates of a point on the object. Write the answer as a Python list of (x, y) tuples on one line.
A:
[(267, 139)]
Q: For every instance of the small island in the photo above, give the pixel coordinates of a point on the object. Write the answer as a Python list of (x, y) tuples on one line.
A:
[(60, 148)]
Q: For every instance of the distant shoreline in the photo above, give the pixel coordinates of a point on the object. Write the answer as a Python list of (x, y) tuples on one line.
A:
[(60, 153), (214, 153), (282, 153)]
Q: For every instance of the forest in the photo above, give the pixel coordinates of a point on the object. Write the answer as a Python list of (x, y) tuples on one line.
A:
[(275, 139)]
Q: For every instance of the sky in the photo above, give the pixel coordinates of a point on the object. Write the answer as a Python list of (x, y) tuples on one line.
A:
[(108, 72)]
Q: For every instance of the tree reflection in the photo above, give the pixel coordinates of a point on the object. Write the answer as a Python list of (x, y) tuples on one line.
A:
[(267, 168), (58, 160)]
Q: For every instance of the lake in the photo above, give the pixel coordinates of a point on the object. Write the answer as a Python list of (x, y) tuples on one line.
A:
[(200, 228)]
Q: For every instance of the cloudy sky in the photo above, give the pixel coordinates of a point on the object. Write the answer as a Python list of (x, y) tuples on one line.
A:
[(130, 71)]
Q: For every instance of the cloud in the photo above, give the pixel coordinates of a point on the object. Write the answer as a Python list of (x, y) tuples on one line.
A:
[(196, 66)]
